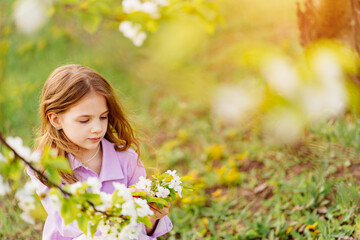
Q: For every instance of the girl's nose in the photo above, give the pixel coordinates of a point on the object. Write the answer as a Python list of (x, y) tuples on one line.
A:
[(96, 127)]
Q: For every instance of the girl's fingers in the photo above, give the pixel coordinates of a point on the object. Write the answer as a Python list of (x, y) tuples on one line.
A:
[(159, 213)]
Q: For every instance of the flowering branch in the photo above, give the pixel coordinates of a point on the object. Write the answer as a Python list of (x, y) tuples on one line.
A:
[(116, 215), (2, 139)]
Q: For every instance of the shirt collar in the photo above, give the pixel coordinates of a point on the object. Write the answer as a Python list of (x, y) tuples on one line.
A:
[(110, 168)]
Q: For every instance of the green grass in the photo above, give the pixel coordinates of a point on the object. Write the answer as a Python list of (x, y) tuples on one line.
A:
[(12, 226)]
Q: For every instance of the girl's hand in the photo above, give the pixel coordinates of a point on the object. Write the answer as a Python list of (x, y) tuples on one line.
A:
[(159, 213)]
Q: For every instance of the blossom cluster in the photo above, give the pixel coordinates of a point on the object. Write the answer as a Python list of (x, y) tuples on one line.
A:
[(4, 187), (119, 203), (162, 186), (150, 7), (26, 201), (132, 30), (16, 143), (25, 196)]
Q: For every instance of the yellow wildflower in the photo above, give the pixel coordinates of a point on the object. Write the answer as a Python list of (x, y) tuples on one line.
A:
[(205, 221), (217, 193), (233, 176), (215, 151), (312, 227)]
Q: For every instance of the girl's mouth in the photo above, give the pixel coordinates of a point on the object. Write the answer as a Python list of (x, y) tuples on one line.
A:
[(95, 139)]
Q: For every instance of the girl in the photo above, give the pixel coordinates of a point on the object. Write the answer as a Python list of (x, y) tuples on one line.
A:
[(82, 119)]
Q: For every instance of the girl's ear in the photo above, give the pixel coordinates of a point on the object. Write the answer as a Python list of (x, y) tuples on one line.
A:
[(54, 120)]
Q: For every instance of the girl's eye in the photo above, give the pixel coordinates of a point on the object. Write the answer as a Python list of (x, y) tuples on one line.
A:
[(104, 117), (84, 121)]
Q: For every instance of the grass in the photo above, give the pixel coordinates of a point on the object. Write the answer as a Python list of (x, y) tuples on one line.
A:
[(300, 192)]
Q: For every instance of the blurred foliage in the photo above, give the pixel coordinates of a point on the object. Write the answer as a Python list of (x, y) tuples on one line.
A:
[(244, 188)]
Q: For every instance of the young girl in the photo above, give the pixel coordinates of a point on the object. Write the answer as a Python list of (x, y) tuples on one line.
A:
[(82, 119)]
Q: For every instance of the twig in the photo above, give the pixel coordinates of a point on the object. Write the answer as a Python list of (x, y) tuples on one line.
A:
[(2, 139)]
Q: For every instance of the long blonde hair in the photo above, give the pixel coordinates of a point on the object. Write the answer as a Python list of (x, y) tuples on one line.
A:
[(65, 86)]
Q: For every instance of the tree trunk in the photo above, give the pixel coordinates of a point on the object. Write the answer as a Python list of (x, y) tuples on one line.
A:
[(330, 19)]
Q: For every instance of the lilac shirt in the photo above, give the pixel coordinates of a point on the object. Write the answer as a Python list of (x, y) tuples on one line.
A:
[(121, 167)]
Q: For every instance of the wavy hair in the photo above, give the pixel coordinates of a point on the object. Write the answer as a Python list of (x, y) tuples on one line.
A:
[(65, 86)]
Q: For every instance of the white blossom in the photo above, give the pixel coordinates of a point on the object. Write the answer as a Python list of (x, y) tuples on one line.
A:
[(327, 97), (27, 203), (283, 126), (144, 184), (143, 208), (128, 209), (123, 191), (74, 187), (162, 192), (25, 196), (151, 8), (162, 2), (94, 184), (320, 103), (54, 199), (327, 67), (4, 187), (134, 232), (27, 218), (174, 183), (3, 158), (106, 200), (281, 76), (131, 6), (133, 32), (234, 103), (35, 156), (17, 144), (172, 173), (139, 39), (178, 189), (30, 15)]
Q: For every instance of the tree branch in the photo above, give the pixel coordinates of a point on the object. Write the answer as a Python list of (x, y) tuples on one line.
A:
[(66, 193)]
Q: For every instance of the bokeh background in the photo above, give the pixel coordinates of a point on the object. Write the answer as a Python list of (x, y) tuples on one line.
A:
[(265, 129)]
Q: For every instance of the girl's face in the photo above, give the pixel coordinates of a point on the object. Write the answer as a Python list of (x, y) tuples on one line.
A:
[(86, 122)]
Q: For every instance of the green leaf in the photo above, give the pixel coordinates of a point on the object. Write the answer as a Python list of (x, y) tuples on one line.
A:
[(14, 170), (53, 175), (69, 211), (94, 198), (159, 201), (187, 186), (146, 221), (172, 194), (93, 227), (59, 163), (102, 7), (83, 221), (90, 22), (139, 194)]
